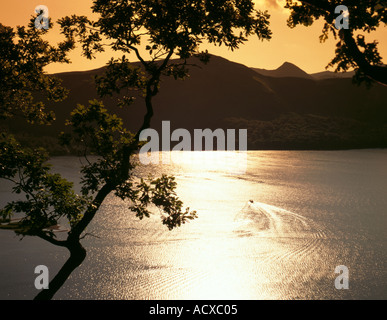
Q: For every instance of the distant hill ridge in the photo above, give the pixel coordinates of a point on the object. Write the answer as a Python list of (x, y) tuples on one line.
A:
[(282, 109), (290, 70)]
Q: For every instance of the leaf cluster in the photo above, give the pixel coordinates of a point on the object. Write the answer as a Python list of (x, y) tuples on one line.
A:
[(23, 55), (162, 28), (97, 132), (352, 52), (161, 193), (48, 196)]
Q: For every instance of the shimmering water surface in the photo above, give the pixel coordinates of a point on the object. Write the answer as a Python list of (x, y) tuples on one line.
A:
[(276, 231)]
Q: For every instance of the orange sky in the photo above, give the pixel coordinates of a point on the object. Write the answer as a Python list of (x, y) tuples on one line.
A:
[(300, 46)]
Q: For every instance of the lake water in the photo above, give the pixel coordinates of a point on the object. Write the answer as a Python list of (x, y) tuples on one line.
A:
[(310, 212)]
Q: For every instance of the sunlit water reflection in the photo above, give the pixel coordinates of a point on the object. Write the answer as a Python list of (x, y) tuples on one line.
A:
[(276, 231)]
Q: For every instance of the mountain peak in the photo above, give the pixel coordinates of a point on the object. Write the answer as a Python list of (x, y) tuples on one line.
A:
[(286, 70), (288, 65)]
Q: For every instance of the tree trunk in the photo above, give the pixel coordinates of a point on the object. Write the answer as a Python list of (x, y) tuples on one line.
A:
[(376, 73), (77, 256)]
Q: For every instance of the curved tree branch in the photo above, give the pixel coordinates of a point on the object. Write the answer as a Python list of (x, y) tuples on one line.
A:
[(76, 231), (77, 256), (374, 72), (44, 236)]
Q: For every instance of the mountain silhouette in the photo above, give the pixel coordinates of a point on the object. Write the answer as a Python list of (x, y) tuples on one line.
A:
[(329, 75), (289, 70), (290, 110), (286, 70)]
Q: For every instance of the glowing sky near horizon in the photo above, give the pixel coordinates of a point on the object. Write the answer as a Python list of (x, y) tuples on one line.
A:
[(300, 46)]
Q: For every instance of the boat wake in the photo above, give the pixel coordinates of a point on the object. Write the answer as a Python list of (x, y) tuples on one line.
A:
[(263, 219), (295, 236)]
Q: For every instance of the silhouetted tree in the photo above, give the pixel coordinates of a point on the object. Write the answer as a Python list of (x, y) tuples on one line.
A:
[(23, 56), (171, 27), (352, 49)]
